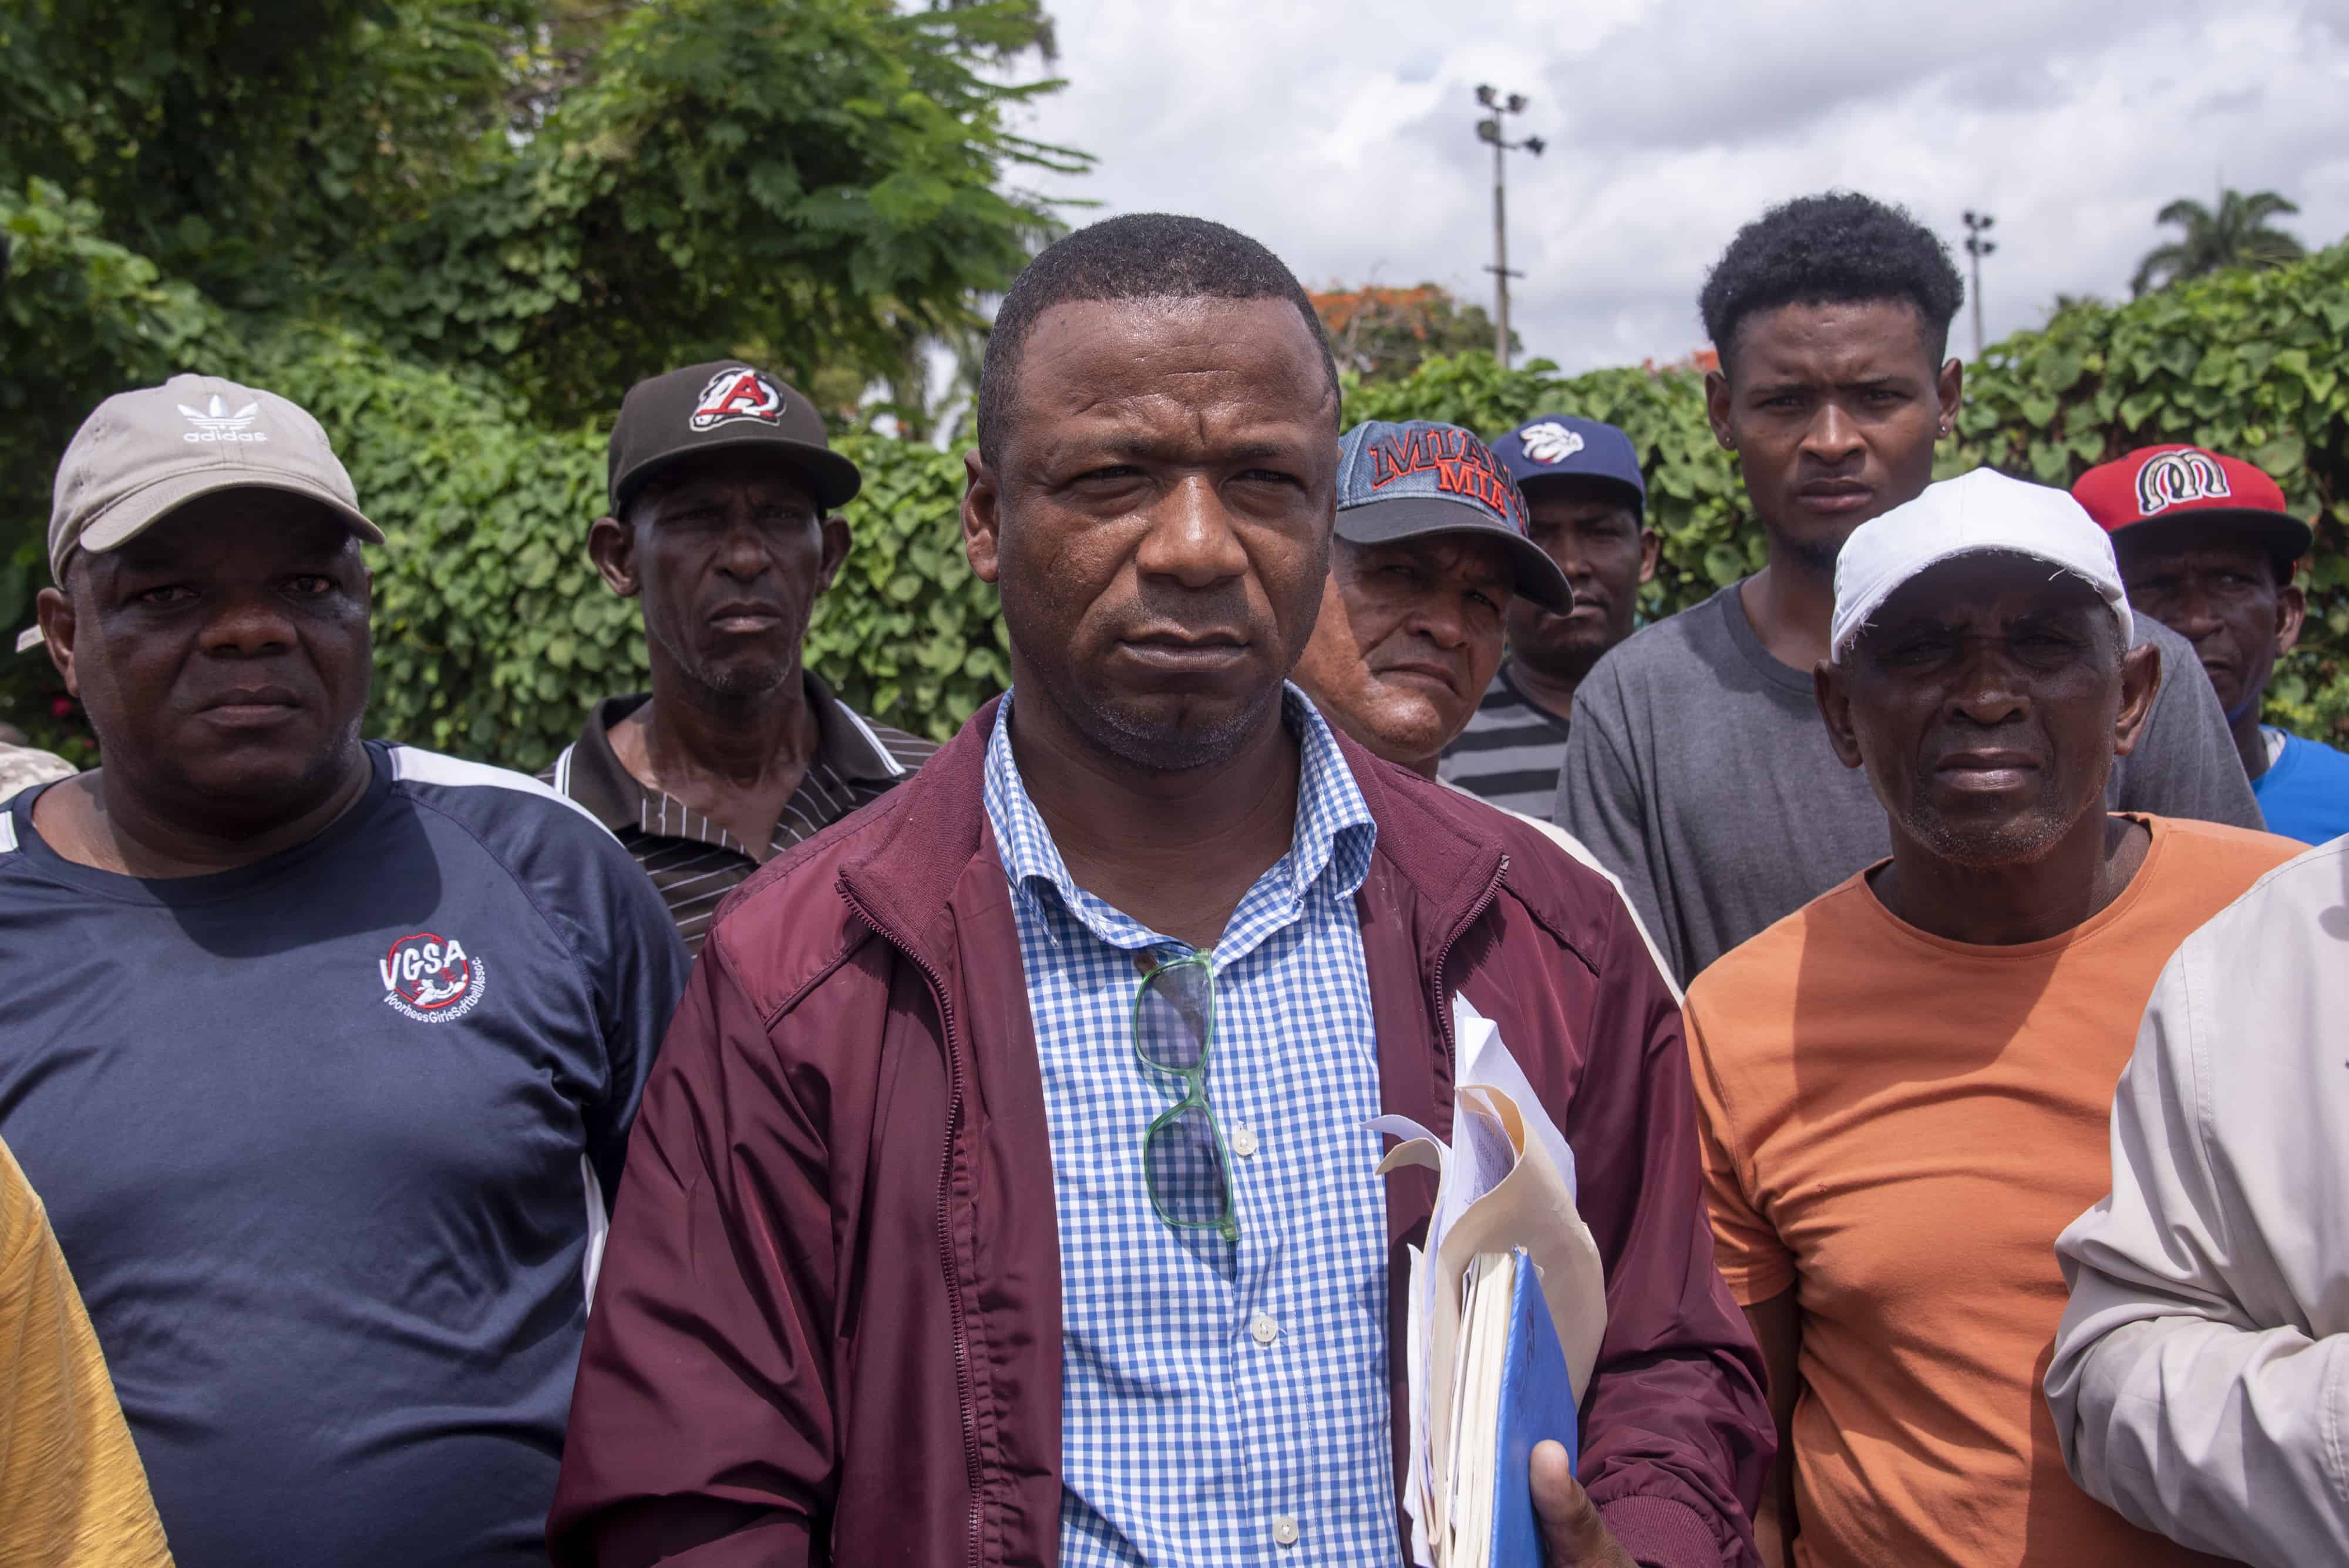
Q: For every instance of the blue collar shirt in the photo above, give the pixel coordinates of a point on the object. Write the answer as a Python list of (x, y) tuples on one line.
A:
[(1222, 1402)]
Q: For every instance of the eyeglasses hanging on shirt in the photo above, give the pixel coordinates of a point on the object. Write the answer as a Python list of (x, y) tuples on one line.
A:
[(1182, 1156)]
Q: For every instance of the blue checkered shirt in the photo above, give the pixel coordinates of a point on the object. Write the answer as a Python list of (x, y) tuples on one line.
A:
[(1221, 1402)]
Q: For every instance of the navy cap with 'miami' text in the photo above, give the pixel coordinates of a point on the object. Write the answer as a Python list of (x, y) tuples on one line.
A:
[(1407, 480)]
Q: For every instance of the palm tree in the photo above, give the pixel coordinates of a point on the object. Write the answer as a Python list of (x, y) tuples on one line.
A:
[(2236, 234), (2066, 303)]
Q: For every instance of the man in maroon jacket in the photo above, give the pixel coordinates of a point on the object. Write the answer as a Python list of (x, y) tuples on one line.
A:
[(1003, 1196)]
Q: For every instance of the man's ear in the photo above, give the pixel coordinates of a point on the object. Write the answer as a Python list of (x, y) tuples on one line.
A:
[(2140, 679), (1831, 685), (2292, 612), (1651, 545), (612, 545), (982, 517), (1950, 391), (1716, 407), (836, 540), (55, 611)]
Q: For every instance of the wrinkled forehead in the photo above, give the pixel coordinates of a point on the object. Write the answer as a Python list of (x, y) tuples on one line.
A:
[(1476, 557), (708, 476), (1833, 343), (2146, 547), (246, 529), (1987, 590), (1576, 499), (1204, 377)]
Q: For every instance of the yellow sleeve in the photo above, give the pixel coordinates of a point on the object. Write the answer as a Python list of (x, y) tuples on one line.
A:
[(71, 1487), (1753, 1260)]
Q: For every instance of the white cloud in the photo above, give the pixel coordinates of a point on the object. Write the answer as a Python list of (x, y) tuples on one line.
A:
[(1342, 136)]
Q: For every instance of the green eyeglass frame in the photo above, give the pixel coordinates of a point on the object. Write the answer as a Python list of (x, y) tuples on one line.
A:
[(1184, 1161)]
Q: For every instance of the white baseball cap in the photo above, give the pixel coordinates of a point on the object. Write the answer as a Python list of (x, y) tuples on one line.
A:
[(1973, 513)]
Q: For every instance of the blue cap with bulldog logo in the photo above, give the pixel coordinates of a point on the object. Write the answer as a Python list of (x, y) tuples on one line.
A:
[(1415, 477), (1561, 446)]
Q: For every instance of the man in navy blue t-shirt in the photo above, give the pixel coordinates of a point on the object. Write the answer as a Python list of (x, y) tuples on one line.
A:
[(322, 1055)]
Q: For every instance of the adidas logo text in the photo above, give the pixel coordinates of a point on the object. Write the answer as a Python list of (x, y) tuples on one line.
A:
[(214, 422)]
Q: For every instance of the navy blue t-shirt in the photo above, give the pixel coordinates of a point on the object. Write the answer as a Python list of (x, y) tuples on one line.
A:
[(327, 1141)]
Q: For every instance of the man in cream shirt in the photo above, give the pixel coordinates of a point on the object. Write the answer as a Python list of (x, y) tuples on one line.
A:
[(2202, 1375)]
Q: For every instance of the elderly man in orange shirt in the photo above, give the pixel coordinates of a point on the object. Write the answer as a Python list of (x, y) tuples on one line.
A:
[(1904, 1084)]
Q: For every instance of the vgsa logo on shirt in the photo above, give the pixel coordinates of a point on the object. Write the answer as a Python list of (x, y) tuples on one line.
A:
[(432, 978)]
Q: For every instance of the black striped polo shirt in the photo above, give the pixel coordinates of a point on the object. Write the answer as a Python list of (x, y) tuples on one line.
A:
[(694, 861), (1510, 752)]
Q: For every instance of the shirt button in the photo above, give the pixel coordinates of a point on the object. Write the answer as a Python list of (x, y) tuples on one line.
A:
[(1284, 1531), (1243, 1142), (1263, 1330)]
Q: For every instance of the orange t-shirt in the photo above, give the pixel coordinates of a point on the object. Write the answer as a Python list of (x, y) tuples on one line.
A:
[(1896, 1126)]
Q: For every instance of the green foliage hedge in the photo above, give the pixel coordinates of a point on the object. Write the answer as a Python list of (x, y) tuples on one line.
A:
[(459, 229), (823, 179), (2247, 363), (493, 633)]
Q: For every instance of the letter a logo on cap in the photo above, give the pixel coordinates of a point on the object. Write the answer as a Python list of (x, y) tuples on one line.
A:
[(738, 393)]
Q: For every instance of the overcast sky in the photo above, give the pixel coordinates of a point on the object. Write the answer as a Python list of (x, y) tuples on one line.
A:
[(1343, 135)]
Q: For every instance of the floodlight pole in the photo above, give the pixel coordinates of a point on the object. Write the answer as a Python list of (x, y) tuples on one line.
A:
[(1489, 130), (1500, 256), (1977, 225)]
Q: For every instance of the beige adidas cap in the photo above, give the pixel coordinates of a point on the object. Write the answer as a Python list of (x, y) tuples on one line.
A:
[(143, 453)]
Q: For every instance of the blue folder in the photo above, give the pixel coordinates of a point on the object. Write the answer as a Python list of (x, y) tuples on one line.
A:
[(1537, 1403)]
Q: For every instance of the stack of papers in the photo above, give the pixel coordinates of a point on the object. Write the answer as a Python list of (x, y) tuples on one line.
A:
[(1508, 1305)]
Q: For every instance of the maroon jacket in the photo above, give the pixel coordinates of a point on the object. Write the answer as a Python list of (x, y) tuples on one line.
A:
[(828, 1326)]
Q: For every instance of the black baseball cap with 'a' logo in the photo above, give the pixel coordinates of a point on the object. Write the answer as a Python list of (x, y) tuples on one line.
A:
[(723, 406)]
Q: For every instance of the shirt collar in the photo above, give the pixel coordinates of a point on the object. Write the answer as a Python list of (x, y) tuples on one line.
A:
[(590, 772), (1333, 838)]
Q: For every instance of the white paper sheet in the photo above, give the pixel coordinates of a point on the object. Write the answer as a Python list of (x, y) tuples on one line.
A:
[(1485, 1059)]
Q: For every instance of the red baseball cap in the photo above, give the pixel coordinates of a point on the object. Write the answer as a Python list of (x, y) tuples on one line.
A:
[(2172, 494)]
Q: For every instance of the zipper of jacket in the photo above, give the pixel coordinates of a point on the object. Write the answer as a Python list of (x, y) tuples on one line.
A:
[(1444, 955), (965, 1393)]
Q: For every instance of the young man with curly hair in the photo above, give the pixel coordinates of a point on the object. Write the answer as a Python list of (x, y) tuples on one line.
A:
[(1697, 769)]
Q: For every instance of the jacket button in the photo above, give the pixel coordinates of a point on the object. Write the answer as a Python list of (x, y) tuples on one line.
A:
[(1262, 1329), (1284, 1531)]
